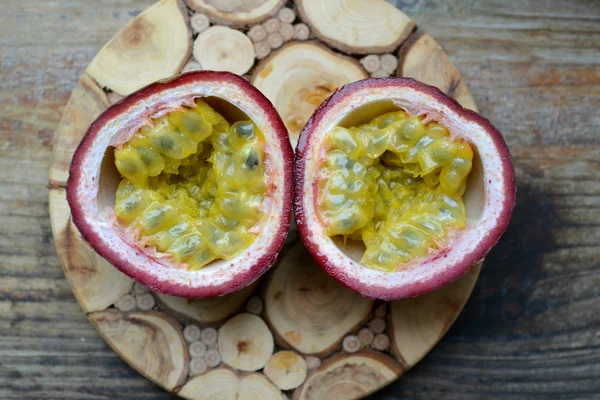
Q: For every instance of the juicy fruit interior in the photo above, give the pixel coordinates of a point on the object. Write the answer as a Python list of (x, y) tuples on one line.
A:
[(193, 185), (396, 184)]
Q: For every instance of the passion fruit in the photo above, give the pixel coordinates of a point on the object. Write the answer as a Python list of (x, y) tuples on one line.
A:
[(399, 189), (186, 185)]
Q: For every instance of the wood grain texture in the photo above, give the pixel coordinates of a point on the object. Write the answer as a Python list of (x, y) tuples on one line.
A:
[(156, 45), (530, 329), (152, 342), (96, 283)]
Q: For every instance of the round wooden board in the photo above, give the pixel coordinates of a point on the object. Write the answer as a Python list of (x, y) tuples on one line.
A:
[(296, 333)]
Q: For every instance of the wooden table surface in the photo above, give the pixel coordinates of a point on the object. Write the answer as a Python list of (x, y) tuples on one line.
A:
[(531, 328)]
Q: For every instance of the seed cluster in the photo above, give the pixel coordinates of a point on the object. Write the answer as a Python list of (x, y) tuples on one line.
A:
[(396, 184), (193, 185)]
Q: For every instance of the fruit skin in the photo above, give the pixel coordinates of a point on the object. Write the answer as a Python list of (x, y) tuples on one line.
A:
[(201, 288), (340, 268)]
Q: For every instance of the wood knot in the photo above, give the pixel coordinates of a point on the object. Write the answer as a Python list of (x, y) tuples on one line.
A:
[(243, 346)]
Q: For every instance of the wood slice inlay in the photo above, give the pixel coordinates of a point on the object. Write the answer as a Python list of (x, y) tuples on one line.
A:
[(152, 342), (95, 283), (299, 76), (220, 384), (422, 58), (417, 324), (349, 376), (245, 342), (307, 309), (235, 12), (155, 45), (356, 26)]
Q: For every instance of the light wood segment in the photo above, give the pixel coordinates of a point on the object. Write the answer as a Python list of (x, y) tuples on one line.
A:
[(235, 12), (365, 336), (257, 387), (262, 50), (301, 31), (198, 366), (417, 324), (371, 63), (307, 309), (257, 33), (286, 369), (199, 22), (220, 48), (138, 289), (356, 26), (197, 348), (224, 384), (206, 311), (381, 342), (151, 342), (145, 302), (351, 344), (209, 335), (212, 358), (221, 384), (380, 73), (245, 342), (299, 76), (422, 58), (286, 15), (191, 66), (155, 45), (191, 333), (272, 25), (312, 362), (349, 376), (286, 31), (389, 63), (275, 40), (95, 282)]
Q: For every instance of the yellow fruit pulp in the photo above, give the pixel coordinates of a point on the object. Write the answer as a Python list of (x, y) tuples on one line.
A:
[(193, 185), (396, 184)]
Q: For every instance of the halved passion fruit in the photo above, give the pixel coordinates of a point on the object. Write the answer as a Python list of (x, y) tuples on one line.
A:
[(400, 190), (185, 186)]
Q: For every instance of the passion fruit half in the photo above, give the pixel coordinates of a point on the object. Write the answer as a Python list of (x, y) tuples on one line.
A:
[(399, 189), (186, 185)]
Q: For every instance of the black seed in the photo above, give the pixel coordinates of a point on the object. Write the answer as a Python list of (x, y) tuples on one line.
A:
[(347, 222), (191, 124), (145, 155), (244, 129), (252, 162), (129, 167), (166, 142)]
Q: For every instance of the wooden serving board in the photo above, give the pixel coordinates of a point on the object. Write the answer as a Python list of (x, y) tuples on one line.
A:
[(296, 333)]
